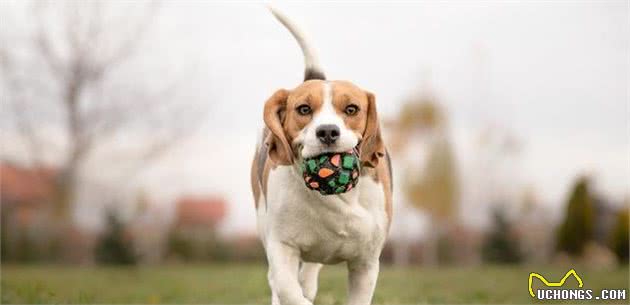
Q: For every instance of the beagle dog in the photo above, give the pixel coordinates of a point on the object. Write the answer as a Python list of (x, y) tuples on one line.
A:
[(301, 229)]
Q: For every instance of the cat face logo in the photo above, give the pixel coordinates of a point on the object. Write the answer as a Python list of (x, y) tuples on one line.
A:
[(553, 284)]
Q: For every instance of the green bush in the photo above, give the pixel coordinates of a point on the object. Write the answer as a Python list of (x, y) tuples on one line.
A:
[(619, 236), (577, 228), (115, 247), (501, 245), (193, 246)]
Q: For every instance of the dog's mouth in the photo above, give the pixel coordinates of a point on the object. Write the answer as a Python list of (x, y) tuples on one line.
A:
[(331, 173), (298, 147)]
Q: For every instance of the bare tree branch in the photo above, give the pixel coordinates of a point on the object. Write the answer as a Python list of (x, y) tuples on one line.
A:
[(43, 44), (85, 55), (23, 125), (129, 45)]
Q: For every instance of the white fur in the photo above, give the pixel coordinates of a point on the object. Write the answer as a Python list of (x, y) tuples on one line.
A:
[(310, 57), (299, 225), (301, 229), (326, 115)]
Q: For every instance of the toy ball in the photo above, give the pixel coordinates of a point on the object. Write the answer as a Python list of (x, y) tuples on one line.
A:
[(331, 173)]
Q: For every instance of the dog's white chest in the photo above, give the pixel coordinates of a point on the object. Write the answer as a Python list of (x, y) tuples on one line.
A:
[(325, 229)]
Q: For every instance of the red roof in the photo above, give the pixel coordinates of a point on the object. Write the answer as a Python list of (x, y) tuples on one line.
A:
[(200, 211), (18, 184)]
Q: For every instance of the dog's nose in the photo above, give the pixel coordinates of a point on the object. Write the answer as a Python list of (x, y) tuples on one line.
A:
[(327, 134)]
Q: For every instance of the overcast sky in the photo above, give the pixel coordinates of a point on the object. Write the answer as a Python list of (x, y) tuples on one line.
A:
[(552, 74)]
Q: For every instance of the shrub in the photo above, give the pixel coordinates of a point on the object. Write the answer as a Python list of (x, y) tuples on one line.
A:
[(115, 247), (619, 236), (501, 245), (577, 228)]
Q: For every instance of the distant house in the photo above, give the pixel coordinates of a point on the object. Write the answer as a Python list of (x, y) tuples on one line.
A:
[(25, 193), (30, 229), (193, 235), (27, 206), (200, 212), (25, 187)]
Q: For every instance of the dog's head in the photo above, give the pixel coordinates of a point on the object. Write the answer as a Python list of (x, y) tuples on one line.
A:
[(320, 117)]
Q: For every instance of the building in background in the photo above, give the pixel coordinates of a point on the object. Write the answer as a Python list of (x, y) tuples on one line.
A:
[(29, 222), (25, 197), (194, 230), (198, 214)]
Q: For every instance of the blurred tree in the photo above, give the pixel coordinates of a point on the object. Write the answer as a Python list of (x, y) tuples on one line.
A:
[(72, 73), (620, 238), (501, 245), (577, 228), (421, 112), (437, 189), (115, 246), (432, 187)]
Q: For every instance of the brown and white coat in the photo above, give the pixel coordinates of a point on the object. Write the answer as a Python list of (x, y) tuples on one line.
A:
[(301, 229)]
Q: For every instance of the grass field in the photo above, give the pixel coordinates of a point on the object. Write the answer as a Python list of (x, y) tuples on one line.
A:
[(246, 284)]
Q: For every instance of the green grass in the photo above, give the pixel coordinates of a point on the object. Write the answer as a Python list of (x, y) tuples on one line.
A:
[(246, 284)]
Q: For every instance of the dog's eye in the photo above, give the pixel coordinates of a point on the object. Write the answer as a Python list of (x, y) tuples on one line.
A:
[(351, 109), (304, 109)]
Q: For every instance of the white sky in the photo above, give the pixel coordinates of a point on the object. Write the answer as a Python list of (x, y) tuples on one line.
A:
[(553, 74)]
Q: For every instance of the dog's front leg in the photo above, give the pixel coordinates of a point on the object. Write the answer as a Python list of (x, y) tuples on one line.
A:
[(284, 262), (362, 276), (308, 279)]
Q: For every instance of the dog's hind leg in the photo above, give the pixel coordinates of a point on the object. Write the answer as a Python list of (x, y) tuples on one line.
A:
[(309, 273)]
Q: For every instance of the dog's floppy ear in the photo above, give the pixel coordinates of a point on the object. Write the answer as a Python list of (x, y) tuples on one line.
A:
[(372, 147), (274, 115)]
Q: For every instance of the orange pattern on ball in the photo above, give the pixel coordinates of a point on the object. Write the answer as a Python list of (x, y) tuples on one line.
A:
[(325, 172), (335, 160)]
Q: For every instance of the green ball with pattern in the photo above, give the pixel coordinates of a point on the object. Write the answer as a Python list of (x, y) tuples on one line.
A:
[(331, 173)]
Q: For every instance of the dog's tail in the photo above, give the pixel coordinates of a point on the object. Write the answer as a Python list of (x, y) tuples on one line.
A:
[(312, 69)]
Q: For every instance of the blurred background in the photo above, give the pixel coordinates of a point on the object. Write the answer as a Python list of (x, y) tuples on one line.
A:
[(128, 130)]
